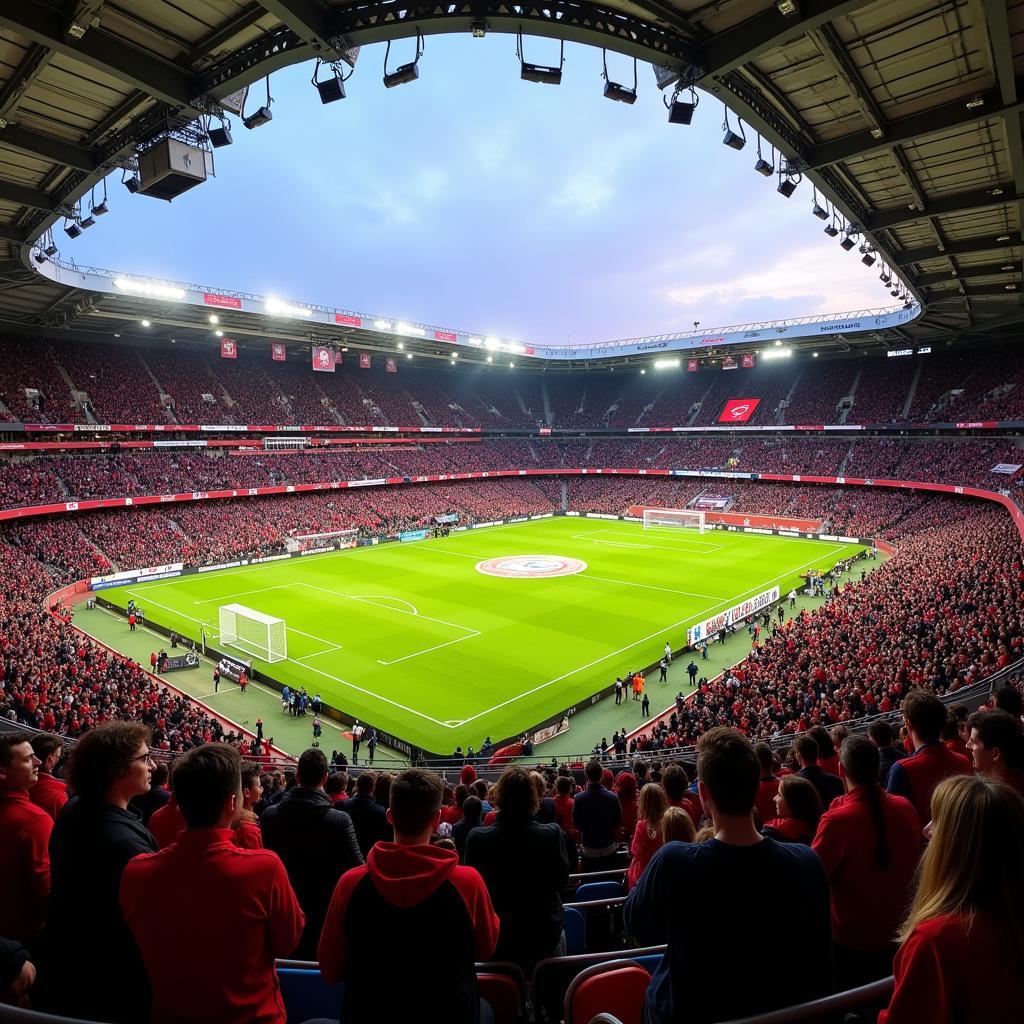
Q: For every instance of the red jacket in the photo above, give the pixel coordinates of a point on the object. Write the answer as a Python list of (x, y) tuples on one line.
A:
[(916, 777), (764, 803), (643, 848), (49, 793), (209, 920), (24, 865), (868, 901), (166, 823), (948, 972)]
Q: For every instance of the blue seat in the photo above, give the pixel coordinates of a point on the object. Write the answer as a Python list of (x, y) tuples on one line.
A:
[(590, 891), (575, 928), (307, 996), (649, 963)]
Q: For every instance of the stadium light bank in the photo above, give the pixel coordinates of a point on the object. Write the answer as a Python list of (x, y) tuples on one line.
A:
[(667, 364)]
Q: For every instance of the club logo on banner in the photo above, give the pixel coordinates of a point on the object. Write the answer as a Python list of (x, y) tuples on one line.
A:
[(323, 359), (692, 365), (228, 348), (278, 352), (739, 410), (364, 360), (749, 361), (392, 366)]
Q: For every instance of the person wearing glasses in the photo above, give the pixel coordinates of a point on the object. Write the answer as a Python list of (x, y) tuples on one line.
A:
[(91, 966)]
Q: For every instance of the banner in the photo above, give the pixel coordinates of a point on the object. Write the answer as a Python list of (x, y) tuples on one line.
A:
[(710, 628), (278, 352), (364, 360), (749, 361), (228, 348), (392, 366), (692, 365), (323, 359), (1006, 468), (729, 363), (739, 410)]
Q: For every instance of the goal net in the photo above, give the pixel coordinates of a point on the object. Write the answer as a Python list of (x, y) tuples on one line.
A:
[(677, 517), (262, 636), (322, 541)]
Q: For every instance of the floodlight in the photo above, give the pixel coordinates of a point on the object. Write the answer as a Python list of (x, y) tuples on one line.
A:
[(788, 8), (87, 222), (542, 73), (220, 137), (38, 257), (763, 167), (820, 212), (145, 323), (681, 111), (405, 72), (100, 209), (868, 259), (133, 184), (734, 140), (478, 28), (849, 241), (787, 186), (330, 89), (614, 90), (72, 229), (831, 230), (51, 249), (261, 115)]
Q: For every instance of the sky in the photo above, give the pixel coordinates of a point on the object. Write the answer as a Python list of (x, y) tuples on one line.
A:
[(473, 200)]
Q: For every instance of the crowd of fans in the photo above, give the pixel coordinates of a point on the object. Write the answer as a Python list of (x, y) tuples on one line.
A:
[(125, 384)]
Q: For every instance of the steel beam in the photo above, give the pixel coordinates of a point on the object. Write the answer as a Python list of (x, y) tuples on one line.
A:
[(31, 67), (102, 52), (48, 148), (972, 291), (963, 247), (11, 233), (23, 196), (309, 20), (961, 202), (965, 273), (219, 36)]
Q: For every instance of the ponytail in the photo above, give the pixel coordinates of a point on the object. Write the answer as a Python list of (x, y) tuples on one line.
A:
[(883, 852)]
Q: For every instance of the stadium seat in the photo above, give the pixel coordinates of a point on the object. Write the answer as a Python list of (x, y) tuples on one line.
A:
[(306, 995), (552, 977), (14, 1015), (617, 987), (602, 917), (589, 892), (824, 1011), (503, 994), (575, 927)]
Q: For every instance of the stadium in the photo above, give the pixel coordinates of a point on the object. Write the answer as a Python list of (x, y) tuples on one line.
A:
[(340, 648)]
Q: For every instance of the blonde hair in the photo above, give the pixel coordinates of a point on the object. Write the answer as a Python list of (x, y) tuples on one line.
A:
[(653, 804), (973, 861), (677, 826)]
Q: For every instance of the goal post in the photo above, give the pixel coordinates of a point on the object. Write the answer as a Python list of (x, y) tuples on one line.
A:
[(263, 636), (687, 518), (328, 541)]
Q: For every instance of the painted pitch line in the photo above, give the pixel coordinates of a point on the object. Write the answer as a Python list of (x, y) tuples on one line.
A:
[(651, 636), (390, 608), (436, 647), (678, 548), (683, 541), (648, 586), (228, 598)]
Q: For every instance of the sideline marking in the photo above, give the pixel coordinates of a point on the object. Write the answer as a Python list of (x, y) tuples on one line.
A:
[(648, 586)]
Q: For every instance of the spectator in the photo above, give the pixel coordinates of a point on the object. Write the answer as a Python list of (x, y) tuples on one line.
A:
[(157, 796), (472, 815), (527, 901), (828, 758), (316, 842), (624, 788), (563, 805), (829, 786), (336, 788), (17, 972), (94, 838), (545, 803), (797, 811), (697, 982), (433, 917), (677, 827), (369, 819), (916, 776), (167, 822), (596, 812), (769, 785), (24, 834), (647, 831), (48, 792), (996, 745), (247, 832), (869, 842), (677, 791), (221, 972), (961, 956), (880, 732)]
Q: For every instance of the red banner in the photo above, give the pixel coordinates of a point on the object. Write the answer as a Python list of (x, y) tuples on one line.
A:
[(749, 361), (228, 348), (739, 410), (224, 301), (350, 321), (445, 336), (692, 365), (729, 363), (364, 360), (323, 359), (392, 366), (278, 352)]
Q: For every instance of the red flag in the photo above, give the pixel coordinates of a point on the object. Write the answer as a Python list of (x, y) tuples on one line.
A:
[(738, 410), (364, 360), (749, 361), (692, 365), (228, 348), (278, 352), (323, 359), (337, 358), (392, 366)]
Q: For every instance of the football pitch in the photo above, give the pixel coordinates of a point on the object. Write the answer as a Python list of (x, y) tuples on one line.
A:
[(418, 641)]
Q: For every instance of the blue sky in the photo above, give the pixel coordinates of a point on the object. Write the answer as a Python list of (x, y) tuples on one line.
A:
[(474, 200)]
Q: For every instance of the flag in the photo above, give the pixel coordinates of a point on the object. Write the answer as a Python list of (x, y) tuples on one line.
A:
[(323, 359), (729, 363), (392, 366), (692, 365), (364, 360), (278, 352), (749, 361), (228, 348)]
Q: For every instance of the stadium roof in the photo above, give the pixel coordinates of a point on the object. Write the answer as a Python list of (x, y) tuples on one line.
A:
[(905, 115)]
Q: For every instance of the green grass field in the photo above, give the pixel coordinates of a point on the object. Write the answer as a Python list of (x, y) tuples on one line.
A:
[(415, 640)]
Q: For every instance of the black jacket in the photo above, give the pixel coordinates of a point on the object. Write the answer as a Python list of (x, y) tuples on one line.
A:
[(318, 845), (370, 822), (460, 832), (524, 866), (150, 802), (13, 956), (829, 786), (596, 812), (91, 843)]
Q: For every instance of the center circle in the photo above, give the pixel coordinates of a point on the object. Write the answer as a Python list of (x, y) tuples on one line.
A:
[(530, 566)]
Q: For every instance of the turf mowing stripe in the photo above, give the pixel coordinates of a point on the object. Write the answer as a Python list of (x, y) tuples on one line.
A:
[(647, 586)]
